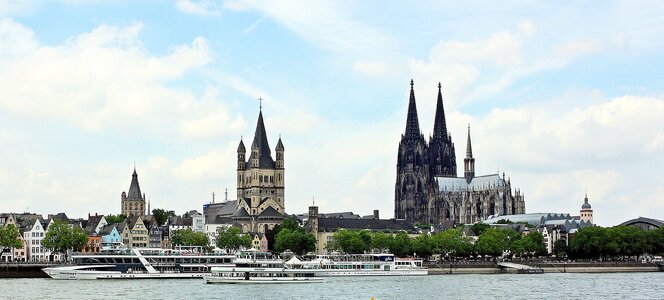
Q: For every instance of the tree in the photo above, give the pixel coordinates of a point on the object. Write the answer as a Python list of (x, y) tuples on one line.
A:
[(63, 238), (350, 241), (560, 248), (656, 241), (114, 219), (493, 242), (231, 239), (423, 245), (529, 245), (479, 228), (9, 237), (161, 215), (589, 242), (401, 245), (298, 241), (452, 243), (381, 241), (188, 237)]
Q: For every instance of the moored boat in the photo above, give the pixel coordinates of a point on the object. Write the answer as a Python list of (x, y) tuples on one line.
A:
[(260, 267), (364, 265)]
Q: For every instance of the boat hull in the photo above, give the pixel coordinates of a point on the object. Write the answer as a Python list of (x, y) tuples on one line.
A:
[(418, 272)]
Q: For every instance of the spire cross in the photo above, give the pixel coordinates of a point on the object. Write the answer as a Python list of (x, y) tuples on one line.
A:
[(260, 103)]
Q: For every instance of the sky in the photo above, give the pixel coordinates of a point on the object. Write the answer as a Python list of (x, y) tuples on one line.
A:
[(565, 98)]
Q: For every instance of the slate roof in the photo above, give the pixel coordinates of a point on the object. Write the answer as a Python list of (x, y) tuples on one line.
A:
[(224, 209), (241, 213), (91, 224), (280, 145), (241, 148), (260, 142), (270, 212), (107, 229), (332, 224), (533, 219), (134, 189), (133, 220), (453, 184), (60, 217)]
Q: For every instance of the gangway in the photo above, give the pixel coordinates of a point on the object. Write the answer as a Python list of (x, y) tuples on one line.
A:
[(519, 268)]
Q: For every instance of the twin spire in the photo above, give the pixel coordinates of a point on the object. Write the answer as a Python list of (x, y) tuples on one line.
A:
[(412, 123)]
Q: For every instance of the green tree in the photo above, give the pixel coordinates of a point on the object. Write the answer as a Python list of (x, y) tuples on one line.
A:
[(479, 228), (656, 241), (9, 237), (560, 248), (529, 245), (64, 238), (401, 245), (589, 242), (298, 241), (380, 241), (452, 243), (161, 215), (232, 239), (350, 241), (423, 245), (188, 237), (114, 219), (494, 241)]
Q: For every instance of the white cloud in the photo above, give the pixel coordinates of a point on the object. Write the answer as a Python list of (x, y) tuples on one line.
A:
[(97, 76), (200, 7)]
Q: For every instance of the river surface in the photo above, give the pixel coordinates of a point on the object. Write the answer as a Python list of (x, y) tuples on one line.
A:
[(495, 286)]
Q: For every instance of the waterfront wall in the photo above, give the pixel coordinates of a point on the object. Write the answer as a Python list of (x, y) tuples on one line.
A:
[(596, 267), (23, 270)]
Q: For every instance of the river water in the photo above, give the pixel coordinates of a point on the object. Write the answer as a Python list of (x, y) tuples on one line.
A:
[(495, 286)]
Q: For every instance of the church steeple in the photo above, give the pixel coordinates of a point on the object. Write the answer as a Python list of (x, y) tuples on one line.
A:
[(469, 161), (261, 155), (134, 189), (412, 123), (439, 125)]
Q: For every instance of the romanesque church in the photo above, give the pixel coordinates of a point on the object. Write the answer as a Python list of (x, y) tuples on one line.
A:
[(260, 184), (427, 188)]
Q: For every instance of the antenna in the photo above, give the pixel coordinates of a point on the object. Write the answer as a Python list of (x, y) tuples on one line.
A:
[(212, 197), (226, 195)]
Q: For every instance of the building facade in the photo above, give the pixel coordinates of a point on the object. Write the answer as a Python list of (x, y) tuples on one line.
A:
[(427, 188), (260, 184), (133, 203)]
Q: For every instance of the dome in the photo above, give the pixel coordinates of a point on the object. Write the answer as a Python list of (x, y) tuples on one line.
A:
[(586, 206)]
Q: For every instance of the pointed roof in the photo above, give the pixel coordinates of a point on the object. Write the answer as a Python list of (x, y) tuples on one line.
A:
[(439, 125), (134, 188), (270, 212), (261, 143), (241, 213), (469, 148), (280, 145), (241, 148), (412, 123)]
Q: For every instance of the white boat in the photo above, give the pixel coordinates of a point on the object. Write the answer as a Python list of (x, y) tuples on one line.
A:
[(140, 263), (258, 267), (364, 265)]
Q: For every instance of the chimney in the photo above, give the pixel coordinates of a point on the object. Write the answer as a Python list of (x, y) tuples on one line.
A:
[(375, 214)]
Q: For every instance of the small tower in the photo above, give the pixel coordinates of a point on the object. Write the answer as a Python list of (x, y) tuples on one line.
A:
[(280, 154), (586, 210), (241, 151), (133, 202), (469, 161)]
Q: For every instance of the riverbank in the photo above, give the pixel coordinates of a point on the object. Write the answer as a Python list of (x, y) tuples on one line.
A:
[(555, 267)]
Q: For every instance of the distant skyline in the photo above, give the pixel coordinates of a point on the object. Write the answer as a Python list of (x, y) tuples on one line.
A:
[(563, 98)]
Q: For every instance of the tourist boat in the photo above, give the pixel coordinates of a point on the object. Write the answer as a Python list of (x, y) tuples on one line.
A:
[(260, 267), (140, 263), (363, 265)]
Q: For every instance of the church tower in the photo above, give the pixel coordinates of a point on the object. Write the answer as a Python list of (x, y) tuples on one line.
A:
[(469, 161), (410, 200), (260, 183), (133, 203), (441, 149), (586, 210)]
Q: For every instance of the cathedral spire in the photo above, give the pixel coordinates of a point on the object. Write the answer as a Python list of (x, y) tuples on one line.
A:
[(260, 148), (469, 148), (469, 161), (439, 125), (412, 123)]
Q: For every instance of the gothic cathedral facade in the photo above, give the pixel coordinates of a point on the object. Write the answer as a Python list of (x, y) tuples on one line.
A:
[(427, 189), (260, 184)]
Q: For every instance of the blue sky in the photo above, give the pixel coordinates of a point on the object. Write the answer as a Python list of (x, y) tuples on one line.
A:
[(563, 97)]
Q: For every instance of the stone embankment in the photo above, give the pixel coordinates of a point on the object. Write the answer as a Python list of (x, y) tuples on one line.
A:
[(546, 267), (23, 270)]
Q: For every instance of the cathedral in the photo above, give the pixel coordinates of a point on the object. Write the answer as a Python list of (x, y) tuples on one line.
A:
[(260, 184), (427, 188)]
